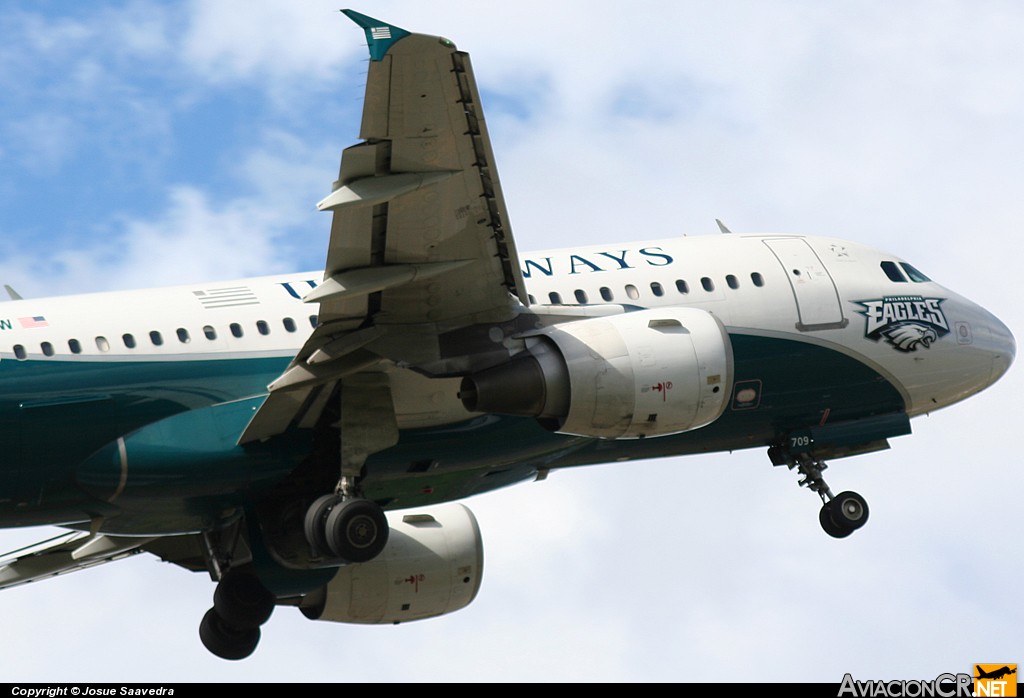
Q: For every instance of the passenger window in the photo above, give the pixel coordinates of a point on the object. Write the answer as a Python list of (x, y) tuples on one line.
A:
[(555, 298), (757, 279), (47, 348), (129, 340), (210, 333), (708, 284), (913, 273), (656, 289), (262, 327), (156, 338), (581, 297), (75, 346), (102, 344), (289, 324), (893, 272), (733, 282), (533, 301), (606, 294), (632, 292), (236, 329), (183, 336), (314, 321), (682, 287), (19, 352)]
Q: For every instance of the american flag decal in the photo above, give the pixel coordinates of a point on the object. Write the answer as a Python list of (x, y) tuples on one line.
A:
[(379, 33), (28, 323), (226, 297)]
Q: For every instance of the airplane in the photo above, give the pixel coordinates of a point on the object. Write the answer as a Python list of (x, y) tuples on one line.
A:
[(303, 438), (995, 674)]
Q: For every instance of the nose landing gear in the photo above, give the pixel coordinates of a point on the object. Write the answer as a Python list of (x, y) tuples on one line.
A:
[(840, 514)]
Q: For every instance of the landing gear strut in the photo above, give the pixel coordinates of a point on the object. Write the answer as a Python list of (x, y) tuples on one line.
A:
[(343, 525), (840, 514), (241, 604)]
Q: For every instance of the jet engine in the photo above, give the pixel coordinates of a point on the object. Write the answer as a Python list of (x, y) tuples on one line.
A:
[(645, 373), (432, 565)]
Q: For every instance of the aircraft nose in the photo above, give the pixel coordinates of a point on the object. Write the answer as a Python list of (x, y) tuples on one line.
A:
[(1004, 348)]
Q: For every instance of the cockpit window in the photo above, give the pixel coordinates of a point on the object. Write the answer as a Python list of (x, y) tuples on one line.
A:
[(893, 272), (913, 273)]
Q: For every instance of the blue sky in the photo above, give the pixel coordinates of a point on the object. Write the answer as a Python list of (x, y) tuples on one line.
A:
[(155, 143)]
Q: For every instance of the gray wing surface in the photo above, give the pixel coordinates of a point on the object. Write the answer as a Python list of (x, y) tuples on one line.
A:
[(68, 552), (420, 241)]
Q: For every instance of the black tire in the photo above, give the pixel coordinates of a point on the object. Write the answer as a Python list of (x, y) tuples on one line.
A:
[(225, 641), (830, 526), (357, 530), (242, 601), (315, 523), (849, 510)]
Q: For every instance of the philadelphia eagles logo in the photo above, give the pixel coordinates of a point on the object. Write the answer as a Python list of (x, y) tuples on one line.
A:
[(906, 322)]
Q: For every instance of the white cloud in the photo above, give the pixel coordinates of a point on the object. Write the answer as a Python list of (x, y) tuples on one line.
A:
[(265, 41), (270, 222)]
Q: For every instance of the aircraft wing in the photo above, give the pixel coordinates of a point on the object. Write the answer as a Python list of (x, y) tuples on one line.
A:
[(67, 552), (420, 239)]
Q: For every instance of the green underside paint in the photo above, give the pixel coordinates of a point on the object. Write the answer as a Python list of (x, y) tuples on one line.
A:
[(56, 414), (795, 383), (62, 462)]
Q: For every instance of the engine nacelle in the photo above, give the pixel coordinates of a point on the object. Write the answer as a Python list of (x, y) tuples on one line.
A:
[(646, 373), (432, 565)]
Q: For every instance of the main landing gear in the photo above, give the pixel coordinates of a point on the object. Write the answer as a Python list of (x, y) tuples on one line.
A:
[(840, 514), (352, 529), (343, 525), (340, 529), (241, 604)]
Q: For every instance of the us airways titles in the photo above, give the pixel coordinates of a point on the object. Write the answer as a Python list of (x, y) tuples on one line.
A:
[(597, 261)]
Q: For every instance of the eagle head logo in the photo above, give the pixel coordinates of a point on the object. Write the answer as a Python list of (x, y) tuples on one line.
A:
[(908, 336)]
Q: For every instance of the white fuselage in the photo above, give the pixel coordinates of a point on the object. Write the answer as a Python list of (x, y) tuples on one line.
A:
[(815, 290)]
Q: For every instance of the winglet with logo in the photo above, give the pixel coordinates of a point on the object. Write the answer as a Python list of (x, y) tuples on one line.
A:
[(379, 35)]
